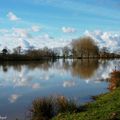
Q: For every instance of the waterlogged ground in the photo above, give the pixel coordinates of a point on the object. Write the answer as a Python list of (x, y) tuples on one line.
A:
[(21, 83)]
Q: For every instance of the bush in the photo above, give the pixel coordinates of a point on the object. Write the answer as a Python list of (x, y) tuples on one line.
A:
[(46, 108), (42, 109), (114, 80)]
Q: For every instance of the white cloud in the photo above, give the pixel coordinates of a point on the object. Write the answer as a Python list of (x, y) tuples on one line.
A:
[(36, 28), (20, 32), (12, 16), (111, 40), (68, 30), (23, 37), (3, 31), (45, 77)]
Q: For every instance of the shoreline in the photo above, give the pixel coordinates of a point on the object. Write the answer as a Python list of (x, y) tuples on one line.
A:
[(104, 107), (28, 58)]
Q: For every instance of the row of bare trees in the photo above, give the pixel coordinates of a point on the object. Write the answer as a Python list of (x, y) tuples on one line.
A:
[(30, 54), (84, 47)]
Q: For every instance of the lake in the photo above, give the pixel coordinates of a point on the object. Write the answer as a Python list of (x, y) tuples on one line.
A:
[(22, 82)]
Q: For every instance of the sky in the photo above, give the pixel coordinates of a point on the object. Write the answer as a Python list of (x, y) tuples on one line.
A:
[(54, 23)]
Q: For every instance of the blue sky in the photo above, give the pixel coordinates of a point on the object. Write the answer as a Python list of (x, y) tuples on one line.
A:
[(61, 18), (54, 14)]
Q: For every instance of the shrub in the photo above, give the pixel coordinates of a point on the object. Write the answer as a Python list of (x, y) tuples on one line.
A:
[(114, 80), (42, 109), (46, 108)]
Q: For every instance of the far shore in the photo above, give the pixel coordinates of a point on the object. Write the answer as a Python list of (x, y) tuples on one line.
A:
[(12, 57)]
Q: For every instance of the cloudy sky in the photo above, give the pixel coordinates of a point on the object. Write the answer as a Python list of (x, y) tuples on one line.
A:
[(54, 23)]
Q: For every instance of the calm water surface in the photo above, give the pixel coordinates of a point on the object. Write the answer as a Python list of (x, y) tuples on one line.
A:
[(21, 83)]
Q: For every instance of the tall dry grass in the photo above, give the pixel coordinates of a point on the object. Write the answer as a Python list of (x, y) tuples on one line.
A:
[(46, 108)]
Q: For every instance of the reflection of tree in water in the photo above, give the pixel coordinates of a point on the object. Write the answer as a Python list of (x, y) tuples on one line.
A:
[(17, 65), (114, 80), (45, 65), (66, 64), (6, 65), (84, 68), (4, 68)]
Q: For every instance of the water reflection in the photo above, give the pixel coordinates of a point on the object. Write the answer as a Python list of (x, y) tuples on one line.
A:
[(17, 65), (22, 82), (13, 98), (23, 73), (85, 68), (4, 68)]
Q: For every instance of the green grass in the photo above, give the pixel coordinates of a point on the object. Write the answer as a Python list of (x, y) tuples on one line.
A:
[(106, 107)]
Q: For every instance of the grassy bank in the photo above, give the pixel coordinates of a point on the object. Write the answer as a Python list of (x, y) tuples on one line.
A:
[(105, 107)]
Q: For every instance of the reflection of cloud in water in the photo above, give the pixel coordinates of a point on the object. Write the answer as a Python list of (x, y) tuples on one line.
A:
[(102, 73), (45, 76), (26, 77), (36, 86), (87, 81), (69, 83), (13, 98), (22, 78), (104, 70)]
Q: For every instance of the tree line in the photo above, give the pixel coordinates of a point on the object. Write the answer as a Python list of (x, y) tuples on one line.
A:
[(86, 47), (30, 54), (81, 48)]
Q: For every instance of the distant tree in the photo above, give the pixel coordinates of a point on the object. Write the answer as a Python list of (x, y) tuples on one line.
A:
[(85, 47), (17, 50), (104, 52), (4, 51), (46, 51), (41, 53), (66, 51)]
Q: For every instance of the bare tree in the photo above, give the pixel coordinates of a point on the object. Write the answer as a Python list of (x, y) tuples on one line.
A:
[(5, 51), (17, 50), (66, 51), (85, 47), (104, 52)]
